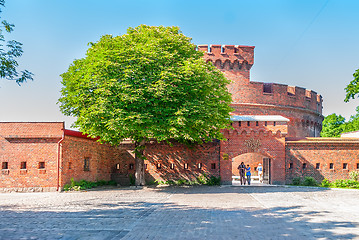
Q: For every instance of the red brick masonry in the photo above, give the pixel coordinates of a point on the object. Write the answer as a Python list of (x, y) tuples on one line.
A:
[(330, 158), (44, 156), (53, 156), (29, 155), (302, 106)]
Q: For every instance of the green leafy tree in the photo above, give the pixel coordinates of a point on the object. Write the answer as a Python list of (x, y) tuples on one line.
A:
[(353, 123), (332, 126), (147, 84), (9, 52), (352, 89)]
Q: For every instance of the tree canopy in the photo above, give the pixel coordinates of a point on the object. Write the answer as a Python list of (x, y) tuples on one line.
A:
[(150, 83), (334, 125), (352, 89), (9, 52), (353, 123)]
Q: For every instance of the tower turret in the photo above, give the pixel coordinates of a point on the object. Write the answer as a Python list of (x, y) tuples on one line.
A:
[(234, 60), (302, 106)]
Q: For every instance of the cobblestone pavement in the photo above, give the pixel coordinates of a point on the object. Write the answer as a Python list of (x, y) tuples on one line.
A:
[(182, 213)]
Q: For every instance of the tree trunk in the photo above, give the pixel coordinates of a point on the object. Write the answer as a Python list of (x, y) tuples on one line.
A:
[(139, 163)]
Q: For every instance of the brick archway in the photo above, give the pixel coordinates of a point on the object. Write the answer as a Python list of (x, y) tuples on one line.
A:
[(255, 143), (251, 158)]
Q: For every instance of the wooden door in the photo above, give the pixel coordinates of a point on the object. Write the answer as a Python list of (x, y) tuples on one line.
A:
[(267, 170)]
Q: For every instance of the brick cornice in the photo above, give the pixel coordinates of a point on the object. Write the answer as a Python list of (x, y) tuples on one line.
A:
[(324, 141), (8, 137)]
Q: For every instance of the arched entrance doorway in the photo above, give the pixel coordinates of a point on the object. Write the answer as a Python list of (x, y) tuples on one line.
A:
[(253, 159)]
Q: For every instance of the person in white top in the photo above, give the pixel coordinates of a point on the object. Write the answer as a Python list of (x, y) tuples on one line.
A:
[(260, 172)]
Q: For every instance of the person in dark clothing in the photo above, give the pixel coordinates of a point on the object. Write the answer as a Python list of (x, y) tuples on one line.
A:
[(242, 170)]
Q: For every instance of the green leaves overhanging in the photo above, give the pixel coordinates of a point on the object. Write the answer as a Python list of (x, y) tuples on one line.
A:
[(148, 83)]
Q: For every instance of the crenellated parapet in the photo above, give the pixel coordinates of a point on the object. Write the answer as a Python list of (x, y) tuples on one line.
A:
[(257, 133), (302, 106), (279, 94), (236, 61), (233, 58), (258, 125)]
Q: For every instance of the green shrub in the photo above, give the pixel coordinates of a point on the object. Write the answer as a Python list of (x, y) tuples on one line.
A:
[(83, 184), (159, 182), (352, 183), (67, 187), (76, 188), (73, 183), (102, 183), (170, 182), (347, 183), (309, 181), (339, 183), (132, 179), (193, 183), (112, 183), (354, 175), (297, 181), (202, 179), (326, 183), (214, 181), (152, 182), (181, 182)]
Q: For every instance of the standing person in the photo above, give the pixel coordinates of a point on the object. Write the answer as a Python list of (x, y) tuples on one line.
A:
[(248, 174), (260, 172), (242, 169)]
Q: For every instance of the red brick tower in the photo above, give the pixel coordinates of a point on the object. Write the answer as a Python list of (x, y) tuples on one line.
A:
[(301, 106)]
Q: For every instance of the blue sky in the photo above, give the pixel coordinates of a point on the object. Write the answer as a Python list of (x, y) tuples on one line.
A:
[(307, 43)]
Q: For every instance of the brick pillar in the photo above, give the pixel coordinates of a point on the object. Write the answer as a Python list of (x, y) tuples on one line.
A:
[(225, 167)]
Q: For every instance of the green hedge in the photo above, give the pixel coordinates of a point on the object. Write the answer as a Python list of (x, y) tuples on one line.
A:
[(341, 183), (83, 184), (307, 181), (201, 180)]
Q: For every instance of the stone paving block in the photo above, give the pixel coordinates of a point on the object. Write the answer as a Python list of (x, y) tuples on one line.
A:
[(182, 213)]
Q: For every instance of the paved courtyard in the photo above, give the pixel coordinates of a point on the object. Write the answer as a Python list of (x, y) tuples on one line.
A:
[(227, 212)]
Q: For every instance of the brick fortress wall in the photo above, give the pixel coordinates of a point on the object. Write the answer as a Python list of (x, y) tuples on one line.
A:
[(179, 161), (164, 162), (330, 158), (303, 107), (75, 150), (169, 162), (29, 156), (47, 143), (250, 144)]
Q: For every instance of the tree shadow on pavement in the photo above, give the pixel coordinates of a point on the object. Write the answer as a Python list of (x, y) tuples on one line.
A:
[(120, 219), (236, 189)]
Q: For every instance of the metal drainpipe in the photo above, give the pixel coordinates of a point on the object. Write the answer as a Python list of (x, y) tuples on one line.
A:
[(219, 158), (58, 158)]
